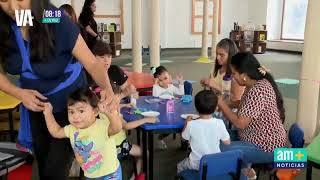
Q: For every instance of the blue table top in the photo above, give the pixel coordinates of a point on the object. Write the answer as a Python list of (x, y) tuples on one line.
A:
[(167, 120)]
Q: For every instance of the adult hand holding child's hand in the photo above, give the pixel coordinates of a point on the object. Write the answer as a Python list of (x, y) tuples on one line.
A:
[(31, 99), (109, 101), (47, 109)]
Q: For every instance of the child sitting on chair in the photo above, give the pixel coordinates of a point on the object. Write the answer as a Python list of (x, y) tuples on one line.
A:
[(163, 84), (103, 53), (89, 134), (204, 133)]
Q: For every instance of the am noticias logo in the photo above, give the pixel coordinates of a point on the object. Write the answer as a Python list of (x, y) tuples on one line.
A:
[(24, 17), (290, 158)]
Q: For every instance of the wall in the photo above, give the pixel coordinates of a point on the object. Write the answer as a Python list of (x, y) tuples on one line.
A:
[(274, 13), (257, 11), (58, 3), (175, 19), (179, 22)]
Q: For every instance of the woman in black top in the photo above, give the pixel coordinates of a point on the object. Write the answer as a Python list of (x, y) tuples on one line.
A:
[(50, 60), (88, 23)]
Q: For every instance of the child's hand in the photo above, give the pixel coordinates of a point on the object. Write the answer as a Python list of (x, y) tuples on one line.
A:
[(109, 99), (135, 95), (179, 77), (189, 118), (151, 120), (107, 108), (129, 90), (126, 106), (47, 109)]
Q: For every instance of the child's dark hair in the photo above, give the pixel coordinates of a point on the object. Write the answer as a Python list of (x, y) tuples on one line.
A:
[(247, 63), (206, 102), (83, 95), (231, 48), (101, 48), (159, 71)]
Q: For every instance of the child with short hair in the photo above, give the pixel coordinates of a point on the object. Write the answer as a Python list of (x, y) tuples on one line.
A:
[(203, 133), (103, 53), (89, 133)]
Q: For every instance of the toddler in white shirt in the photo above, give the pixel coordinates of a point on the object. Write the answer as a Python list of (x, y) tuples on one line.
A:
[(163, 84)]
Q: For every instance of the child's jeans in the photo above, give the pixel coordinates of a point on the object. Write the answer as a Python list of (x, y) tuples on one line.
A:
[(113, 176)]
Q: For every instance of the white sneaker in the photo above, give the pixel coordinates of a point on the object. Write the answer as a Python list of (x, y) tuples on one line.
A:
[(160, 144)]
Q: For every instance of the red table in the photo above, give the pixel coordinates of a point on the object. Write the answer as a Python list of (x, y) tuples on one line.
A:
[(142, 81)]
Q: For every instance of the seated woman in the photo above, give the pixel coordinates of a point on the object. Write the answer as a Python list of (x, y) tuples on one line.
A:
[(261, 113), (225, 49)]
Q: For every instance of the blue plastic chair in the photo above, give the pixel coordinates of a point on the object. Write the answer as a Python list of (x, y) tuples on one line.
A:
[(296, 136), (188, 88), (222, 166)]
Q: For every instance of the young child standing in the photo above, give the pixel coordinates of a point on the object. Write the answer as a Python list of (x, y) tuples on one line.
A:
[(204, 133), (89, 136), (163, 84)]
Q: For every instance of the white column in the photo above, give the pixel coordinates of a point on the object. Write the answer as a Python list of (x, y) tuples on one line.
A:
[(215, 29), (204, 51), (73, 3), (310, 74), (155, 33), (136, 36)]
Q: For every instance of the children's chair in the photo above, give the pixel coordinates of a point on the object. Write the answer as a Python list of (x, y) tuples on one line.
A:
[(222, 166), (296, 139)]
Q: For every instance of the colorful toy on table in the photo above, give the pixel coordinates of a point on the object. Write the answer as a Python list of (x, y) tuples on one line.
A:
[(138, 111), (170, 106), (186, 99)]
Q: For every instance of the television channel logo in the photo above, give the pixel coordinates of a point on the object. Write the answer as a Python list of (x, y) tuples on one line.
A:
[(290, 158)]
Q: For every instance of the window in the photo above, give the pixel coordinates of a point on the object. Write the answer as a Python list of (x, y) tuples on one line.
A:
[(294, 19)]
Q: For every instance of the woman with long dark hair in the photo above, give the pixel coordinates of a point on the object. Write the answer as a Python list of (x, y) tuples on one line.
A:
[(86, 19), (49, 59), (69, 11), (261, 112), (225, 49)]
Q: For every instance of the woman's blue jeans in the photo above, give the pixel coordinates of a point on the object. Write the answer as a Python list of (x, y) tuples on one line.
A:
[(252, 154)]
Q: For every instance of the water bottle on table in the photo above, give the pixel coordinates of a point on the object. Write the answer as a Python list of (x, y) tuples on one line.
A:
[(170, 106), (226, 87)]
